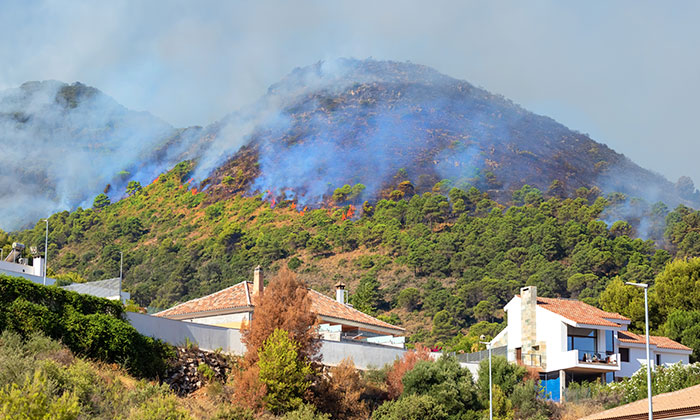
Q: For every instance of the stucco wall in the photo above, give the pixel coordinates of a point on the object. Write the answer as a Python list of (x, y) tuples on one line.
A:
[(228, 320), (207, 337)]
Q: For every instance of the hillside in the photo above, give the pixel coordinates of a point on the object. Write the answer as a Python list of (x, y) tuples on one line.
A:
[(345, 121), (63, 144), (352, 121), (405, 259)]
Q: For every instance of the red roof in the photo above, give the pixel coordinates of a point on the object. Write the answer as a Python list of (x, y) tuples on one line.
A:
[(677, 404), (238, 297), (579, 312), (658, 341)]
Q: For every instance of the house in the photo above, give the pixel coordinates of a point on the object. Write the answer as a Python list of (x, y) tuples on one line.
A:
[(233, 306), (683, 404), (570, 341)]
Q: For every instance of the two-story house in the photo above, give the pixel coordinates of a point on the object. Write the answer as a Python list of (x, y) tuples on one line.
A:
[(567, 340)]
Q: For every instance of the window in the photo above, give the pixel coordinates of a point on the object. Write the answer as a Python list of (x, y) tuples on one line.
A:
[(624, 354), (658, 360), (609, 342), (582, 339)]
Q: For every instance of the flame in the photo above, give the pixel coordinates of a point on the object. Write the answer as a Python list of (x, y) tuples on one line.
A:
[(189, 180), (155, 180), (194, 191), (293, 206), (273, 203), (180, 187), (351, 212)]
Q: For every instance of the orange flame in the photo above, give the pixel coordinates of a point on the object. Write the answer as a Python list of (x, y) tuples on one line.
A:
[(293, 206), (189, 180), (156, 180), (194, 191), (180, 187)]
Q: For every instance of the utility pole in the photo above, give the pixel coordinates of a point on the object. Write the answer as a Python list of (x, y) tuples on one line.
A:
[(646, 323), (121, 260), (46, 249)]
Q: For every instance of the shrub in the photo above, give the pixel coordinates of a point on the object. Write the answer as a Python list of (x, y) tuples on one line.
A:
[(89, 326), (411, 407), (33, 401), (282, 372)]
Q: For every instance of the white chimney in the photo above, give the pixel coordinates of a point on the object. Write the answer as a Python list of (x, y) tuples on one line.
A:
[(258, 283), (340, 293)]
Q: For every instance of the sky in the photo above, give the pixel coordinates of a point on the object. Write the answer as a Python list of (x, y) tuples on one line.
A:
[(625, 72)]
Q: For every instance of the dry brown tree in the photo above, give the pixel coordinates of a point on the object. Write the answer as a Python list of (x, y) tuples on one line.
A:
[(394, 378), (285, 304)]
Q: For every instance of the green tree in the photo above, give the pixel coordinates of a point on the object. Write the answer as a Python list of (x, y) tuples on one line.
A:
[(451, 386), (678, 286), (366, 298), (409, 298), (443, 326), (133, 187), (284, 375), (101, 201), (504, 375), (684, 327)]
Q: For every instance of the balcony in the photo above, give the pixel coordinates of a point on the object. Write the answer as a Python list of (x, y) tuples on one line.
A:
[(587, 361)]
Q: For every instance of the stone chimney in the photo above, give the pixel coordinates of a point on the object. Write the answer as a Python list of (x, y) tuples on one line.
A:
[(258, 283), (528, 317), (340, 292)]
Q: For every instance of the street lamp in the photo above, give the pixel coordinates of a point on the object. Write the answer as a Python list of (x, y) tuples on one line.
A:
[(488, 346), (646, 322), (46, 249), (121, 260)]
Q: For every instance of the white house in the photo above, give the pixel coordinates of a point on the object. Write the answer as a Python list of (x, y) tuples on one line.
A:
[(568, 340), (234, 306)]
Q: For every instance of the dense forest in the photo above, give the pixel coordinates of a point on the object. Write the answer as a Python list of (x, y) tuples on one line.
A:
[(436, 263)]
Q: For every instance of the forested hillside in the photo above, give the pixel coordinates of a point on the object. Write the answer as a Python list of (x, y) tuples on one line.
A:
[(436, 263)]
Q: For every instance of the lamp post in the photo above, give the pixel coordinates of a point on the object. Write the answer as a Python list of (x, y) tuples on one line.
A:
[(488, 346), (46, 249), (646, 322), (121, 260)]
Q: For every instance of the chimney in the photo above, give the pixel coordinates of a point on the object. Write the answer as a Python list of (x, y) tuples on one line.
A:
[(258, 283), (340, 292), (528, 317)]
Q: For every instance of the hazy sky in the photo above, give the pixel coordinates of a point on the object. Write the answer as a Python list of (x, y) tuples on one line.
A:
[(625, 72)]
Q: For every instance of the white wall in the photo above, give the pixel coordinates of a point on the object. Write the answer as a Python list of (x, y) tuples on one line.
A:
[(514, 327), (30, 277), (552, 331), (668, 358), (221, 319)]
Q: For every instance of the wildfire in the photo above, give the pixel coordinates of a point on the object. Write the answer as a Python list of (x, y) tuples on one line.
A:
[(194, 191), (155, 180), (348, 215), (293, 206)]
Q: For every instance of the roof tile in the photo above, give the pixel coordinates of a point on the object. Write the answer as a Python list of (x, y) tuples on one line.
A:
[(580, 312), (236, 297), (658, 341), (672, 404)]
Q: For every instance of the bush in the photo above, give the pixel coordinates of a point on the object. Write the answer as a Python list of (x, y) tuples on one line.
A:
[(89, 326), (411, 407), (33, 401)]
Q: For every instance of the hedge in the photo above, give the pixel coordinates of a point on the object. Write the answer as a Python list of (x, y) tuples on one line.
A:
[(90, 326)]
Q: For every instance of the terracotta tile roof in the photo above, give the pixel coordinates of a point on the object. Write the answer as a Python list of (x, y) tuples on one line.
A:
[(685, 402), (326, 306), (579, 312), (658, 341), (235, 297)]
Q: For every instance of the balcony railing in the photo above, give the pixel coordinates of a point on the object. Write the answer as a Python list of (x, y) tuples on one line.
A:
[(597, 358)]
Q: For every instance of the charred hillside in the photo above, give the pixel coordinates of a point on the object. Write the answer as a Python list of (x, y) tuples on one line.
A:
[(353, 121)]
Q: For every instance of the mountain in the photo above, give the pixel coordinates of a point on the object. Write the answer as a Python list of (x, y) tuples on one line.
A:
[(64, 144), (345, 121), (379, 123)]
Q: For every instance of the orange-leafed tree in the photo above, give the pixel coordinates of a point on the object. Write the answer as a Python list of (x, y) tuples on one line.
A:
[(285, 304), (394, 378)]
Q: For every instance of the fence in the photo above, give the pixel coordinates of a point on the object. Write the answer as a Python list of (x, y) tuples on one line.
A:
[(481, 355), (208, 337)]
